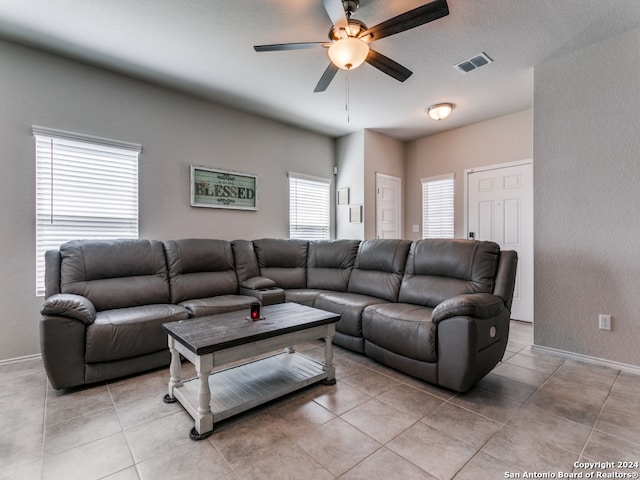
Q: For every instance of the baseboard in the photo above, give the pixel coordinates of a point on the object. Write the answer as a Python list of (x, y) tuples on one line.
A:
[(26, 358), (588, 359)]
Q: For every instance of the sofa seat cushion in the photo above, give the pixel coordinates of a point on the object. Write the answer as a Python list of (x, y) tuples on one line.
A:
[(401, 328), (129, 332), (201, 307), (305, 296), (349, 306)]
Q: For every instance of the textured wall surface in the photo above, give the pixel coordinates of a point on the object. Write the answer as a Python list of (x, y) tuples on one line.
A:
[(587, 200), (175, 130)]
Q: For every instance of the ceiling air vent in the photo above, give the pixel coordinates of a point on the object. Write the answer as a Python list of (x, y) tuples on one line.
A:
[(473, 63)]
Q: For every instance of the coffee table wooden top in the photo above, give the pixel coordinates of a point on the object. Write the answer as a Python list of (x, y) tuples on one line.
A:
[(217, 332)]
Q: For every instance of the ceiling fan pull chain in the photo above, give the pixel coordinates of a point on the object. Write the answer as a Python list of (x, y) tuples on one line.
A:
[(346, 94)]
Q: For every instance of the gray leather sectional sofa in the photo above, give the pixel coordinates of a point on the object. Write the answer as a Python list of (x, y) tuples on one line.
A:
[(438, 310)]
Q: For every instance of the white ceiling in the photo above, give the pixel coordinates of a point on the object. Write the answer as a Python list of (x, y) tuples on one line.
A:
[(205, 47)]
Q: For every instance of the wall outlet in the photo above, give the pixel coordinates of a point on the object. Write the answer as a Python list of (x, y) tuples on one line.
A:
[(604, 322)]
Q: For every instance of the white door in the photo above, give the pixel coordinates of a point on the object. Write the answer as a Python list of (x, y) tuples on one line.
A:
[(388, 212), (500, 208)]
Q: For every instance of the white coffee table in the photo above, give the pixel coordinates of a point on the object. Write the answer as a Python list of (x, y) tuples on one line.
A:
[(229, 337)]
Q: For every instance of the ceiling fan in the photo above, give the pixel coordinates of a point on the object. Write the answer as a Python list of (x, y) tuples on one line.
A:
[(350, 38)]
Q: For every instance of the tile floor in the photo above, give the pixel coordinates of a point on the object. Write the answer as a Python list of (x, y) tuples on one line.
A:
[(534, 413)]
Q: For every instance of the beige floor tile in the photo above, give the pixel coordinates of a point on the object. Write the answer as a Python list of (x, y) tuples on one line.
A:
[(30, 471), (560, 431), (431, 450), (621, 417), (297, 416), (385, 464), (370, 382), (379, 420), (341, 398), (435, 390), (527, 451), (243, 436), (602, 447), (463, 425), (130, 473), (539, 363), (89, 461), (63, 406), (521, 374), (413, 401), (23, 446), (284, 460), (79, 430), (338, 446), (484, 467), (159, 436), (495, 405), (569, 399), (197, 459)]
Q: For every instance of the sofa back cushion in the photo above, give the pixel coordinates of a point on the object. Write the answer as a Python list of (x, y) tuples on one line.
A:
[(244, 255), (200, 268), (115, 273), (329, 264), (283, 260), (378, 268), (438, 269)]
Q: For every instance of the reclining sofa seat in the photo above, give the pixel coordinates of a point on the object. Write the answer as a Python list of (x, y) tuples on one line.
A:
[(202, 277), (290, 270), (465, 336), (375, 279), (105, 304)]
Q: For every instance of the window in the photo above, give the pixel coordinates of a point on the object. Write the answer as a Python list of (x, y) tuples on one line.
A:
[(309, 207), (86, 187), (437, 206)]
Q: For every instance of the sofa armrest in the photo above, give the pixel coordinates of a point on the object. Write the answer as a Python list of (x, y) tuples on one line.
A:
[(62, 345), (476, 305), (257, 283), (70, 306)]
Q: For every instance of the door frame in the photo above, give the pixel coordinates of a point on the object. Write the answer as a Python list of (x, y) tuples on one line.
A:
[(468, 171)]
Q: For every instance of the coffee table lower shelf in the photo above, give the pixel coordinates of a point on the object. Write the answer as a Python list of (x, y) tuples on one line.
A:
[(240, 388)]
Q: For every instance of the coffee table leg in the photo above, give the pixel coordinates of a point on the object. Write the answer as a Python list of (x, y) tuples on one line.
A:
[(204, 418), (328, 361), (175, 371)]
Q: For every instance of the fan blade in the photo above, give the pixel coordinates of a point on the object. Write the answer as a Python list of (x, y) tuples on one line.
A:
[(276, 47), (335, 10), (388, 66), (326, 78), (411, 19)]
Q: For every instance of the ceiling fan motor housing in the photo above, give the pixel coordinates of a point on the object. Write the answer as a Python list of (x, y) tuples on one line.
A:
[(355, 28), (350, 6)]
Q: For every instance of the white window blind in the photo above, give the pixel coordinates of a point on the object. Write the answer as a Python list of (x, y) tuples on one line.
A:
[(437, 206), (309, 207), (86, 188)]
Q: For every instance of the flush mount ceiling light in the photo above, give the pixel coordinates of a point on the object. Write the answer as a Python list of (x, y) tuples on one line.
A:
[(440, 111)]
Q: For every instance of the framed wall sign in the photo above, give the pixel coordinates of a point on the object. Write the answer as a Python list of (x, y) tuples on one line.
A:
[(214, 188), (355, 214), (343, 196)]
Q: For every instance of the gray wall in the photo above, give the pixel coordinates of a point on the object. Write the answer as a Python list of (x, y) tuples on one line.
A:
[(499, 140), (175, 130), (587, 200), (359, 156)]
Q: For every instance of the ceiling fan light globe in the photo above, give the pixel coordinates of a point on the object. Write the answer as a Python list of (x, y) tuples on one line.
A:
[(348, 53)]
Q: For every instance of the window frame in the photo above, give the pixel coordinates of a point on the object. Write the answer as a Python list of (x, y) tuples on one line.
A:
[(443, 192), (63, 212), (319, 183)]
